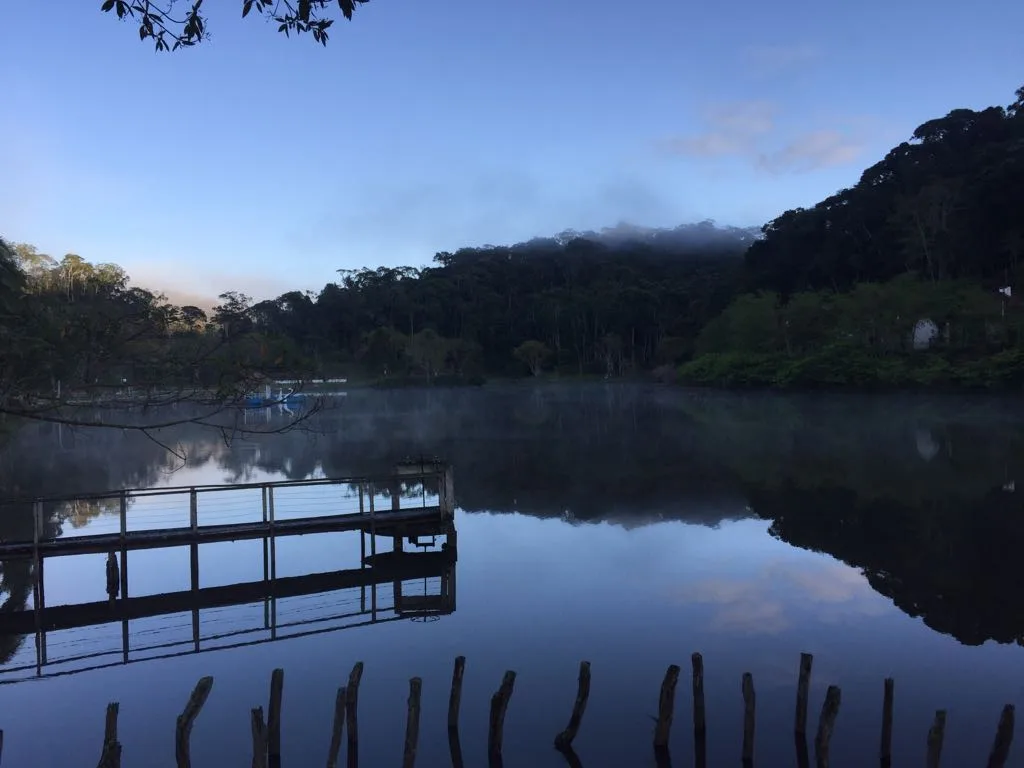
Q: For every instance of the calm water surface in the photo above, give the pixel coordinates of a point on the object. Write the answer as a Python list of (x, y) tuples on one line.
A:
[(625, 525)]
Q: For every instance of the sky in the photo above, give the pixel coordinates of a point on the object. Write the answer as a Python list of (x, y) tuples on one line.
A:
[(259, 163)]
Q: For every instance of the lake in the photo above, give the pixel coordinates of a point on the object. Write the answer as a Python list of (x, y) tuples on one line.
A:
[(628, 525)]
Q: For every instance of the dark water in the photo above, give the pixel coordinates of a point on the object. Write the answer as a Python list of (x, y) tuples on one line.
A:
[(629, 526)]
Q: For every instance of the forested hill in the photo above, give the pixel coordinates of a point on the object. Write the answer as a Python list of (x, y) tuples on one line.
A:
[(931, 237), (946, 204), (578, 304), (909, 278)]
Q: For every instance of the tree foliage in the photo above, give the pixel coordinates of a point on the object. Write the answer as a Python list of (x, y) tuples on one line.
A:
[(171, 29), (931, 234), (943, 205), (75, 336)]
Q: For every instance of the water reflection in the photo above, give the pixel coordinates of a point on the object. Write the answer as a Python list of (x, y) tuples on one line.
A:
[(422, 587), (629, 526)]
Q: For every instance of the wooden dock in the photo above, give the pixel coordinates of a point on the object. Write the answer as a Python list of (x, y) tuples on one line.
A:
[(395, 520)]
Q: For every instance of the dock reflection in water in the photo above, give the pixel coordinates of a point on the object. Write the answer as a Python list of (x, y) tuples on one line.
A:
[(406, 570)]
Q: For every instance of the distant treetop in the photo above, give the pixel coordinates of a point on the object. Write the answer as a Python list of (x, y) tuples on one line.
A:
[(170, 29)]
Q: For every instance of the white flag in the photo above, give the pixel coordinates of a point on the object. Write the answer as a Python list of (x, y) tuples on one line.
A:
[(1007, 291)]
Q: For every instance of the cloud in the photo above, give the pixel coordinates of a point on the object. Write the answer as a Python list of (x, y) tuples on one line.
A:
[(759, 603), (813, 151), (732, 128), (749, 131), (766, 61)]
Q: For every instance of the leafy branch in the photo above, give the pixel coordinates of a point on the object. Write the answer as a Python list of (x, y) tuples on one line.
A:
[(169, 32)]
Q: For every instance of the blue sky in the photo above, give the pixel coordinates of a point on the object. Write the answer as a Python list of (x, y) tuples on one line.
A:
[(262, 163)]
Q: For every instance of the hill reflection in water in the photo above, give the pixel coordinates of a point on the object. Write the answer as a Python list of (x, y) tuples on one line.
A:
[(630, 525)]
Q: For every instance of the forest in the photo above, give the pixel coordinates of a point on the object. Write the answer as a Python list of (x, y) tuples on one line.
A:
[(906, 279)]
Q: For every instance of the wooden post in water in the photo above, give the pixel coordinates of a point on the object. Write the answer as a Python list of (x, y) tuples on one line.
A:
[(455, 697), (338, 727), (455, 748), (564, 740), (259, 739), (666, 706), (274, 717), (1004, 737), (110, 757), (885, 750), (802, 690), (351, 718), (699, 717), (496, 729), (749, 702), (700, 741), (454, 702), (826, 724), (183, 731), (412, 723), (935, 736)]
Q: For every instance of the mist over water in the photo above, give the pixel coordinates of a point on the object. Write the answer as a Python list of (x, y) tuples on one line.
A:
[(628, 525)]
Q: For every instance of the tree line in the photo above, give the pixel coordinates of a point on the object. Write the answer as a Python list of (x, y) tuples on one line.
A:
[(929, 241), (908, 278)]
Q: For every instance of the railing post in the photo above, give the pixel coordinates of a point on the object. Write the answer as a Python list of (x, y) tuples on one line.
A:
[(447, 492), (270, 504), (371, 490), (193, 510), (124, 514), (37, 523)]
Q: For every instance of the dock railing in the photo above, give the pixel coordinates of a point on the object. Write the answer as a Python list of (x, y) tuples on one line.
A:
[(178, 515)]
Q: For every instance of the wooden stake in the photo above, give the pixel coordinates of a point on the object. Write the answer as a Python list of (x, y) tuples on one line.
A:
[(699, 719), (564, 740), (802, 691), (935, 736), (885, 751), (274, 716), (803, 758), (455, 748), (412, 723), (499, 705), (1004, 737), (259, 739), (666, 706), (110, 757), (351, 718), (749, 701), (826, 724), (183, 730), (455, 698), (339, 725), (571, 757)]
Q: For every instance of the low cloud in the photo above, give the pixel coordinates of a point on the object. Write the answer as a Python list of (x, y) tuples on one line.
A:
[(749, 131), (201, 289)]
